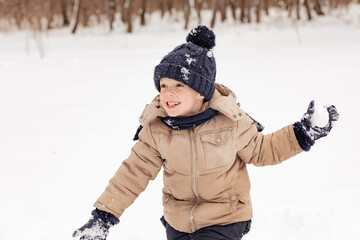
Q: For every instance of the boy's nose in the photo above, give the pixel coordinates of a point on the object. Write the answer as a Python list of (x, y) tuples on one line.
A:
[(169, 92)]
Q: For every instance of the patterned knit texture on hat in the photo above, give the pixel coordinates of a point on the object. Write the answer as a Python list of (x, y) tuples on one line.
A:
[(191, 63)]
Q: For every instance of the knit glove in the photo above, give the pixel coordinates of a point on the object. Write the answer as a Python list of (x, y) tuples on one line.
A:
[(307, 132), (97, 228)]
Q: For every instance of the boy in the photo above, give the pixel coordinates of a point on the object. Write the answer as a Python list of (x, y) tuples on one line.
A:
[(197, 132)]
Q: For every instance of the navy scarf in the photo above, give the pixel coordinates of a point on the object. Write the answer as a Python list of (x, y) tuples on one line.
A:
[(181, 123)]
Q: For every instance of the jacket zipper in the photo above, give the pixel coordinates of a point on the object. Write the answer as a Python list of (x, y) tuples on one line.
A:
[(193, 228)]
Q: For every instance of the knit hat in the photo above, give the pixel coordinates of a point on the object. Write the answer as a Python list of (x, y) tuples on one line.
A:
[(191, 63)]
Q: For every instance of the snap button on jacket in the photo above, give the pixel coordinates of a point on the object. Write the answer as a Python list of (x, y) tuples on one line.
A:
[(205, 177)]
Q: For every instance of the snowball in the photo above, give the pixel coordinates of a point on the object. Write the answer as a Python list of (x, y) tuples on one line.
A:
[(320, 117)]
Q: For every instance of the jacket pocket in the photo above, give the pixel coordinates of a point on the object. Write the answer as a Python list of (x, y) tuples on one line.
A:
[(168, 202), (218, 148), (235, 199)]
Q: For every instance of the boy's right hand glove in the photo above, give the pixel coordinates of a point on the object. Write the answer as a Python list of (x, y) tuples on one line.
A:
[(307, 132), (97, 228), (316, 132)]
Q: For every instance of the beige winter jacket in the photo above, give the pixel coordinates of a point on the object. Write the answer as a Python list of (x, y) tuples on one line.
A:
[(205, 176)]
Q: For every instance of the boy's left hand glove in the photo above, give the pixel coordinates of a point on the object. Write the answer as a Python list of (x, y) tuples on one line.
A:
[(316, 132)]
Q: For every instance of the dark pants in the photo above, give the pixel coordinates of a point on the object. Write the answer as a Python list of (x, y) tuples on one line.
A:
[(233, 231)]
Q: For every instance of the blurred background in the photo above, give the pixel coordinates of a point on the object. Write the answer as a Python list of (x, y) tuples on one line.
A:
[(50, 14), (76, 75)]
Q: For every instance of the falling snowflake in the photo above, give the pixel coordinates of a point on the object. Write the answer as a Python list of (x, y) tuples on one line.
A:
[(189, 59), (185, 74), (209, 54)]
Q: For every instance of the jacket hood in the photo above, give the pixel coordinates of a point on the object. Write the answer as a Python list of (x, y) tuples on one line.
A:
[(223, 100)]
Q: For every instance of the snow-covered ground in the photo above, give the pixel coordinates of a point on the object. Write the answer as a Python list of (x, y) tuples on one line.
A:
[(67, 121)]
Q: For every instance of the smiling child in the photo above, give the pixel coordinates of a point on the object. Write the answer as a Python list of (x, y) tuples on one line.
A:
[(203, 140)]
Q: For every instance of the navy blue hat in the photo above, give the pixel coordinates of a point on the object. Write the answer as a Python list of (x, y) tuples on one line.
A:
[(191, 63)]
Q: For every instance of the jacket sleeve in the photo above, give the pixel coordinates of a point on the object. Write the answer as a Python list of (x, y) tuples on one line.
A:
[(133, 176), (270, 149)]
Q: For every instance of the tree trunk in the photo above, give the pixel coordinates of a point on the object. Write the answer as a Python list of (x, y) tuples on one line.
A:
[(248, 8), (162, 7), (84, 12), (170, 5), (242, 12), (306, 4), (233, 8), (258, 7), (122, 10), (128, 10), (64, 12), (223, 6), (318, 8), (289, 7), (266, 7), (298, 9), (186, 13), (198, 7), (215, 5), (18, 15), (143, 11), (75, 15), (111, 12)]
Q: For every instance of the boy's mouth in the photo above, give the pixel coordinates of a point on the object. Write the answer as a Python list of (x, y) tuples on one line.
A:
[(172, 104)]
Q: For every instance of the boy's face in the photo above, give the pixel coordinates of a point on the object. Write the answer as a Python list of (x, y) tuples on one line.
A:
[(178, 99)]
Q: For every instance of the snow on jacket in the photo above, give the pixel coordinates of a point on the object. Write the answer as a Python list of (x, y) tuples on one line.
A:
[(205, 177)]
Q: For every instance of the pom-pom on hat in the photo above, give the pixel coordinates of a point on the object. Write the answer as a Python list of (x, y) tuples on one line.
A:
[(191, 63)]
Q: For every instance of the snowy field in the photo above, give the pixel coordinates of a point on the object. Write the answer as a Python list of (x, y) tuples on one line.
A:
[(67, 121)]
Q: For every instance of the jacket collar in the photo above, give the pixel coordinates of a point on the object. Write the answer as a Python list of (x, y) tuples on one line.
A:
[(223, 101)]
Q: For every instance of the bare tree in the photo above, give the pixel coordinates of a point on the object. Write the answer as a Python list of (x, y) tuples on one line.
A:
[(111, 12), (233, 8), (245, 11), (65, 13), (20, 12), (298, 9), (75, 15), (266, 7), (142, 13), (215, 8), (187, 12), (306, 4), (318, 8), (198, 5), (223, 6), (128, 12), (258, 8), (248, 8)]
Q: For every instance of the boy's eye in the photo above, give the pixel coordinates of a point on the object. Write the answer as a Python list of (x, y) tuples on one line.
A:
[(162, 85), (180, 85)]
